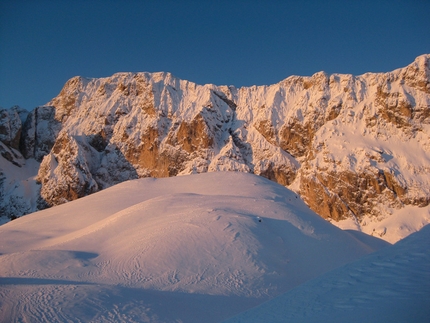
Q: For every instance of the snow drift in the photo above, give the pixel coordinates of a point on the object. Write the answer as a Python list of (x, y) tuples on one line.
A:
[(391, 285), (191, 248)]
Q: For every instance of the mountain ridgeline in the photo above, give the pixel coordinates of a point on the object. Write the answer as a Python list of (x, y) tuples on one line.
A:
[(350, 146)]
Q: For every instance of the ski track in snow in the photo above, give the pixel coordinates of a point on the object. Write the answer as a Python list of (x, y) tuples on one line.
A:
[(55, 301), (63, 301)]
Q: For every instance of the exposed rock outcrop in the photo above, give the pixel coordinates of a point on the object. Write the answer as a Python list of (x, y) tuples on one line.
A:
[(66, 172), (349, 145), (39, 132)]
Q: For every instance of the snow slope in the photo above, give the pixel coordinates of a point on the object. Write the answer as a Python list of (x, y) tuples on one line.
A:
[(18, 187), (391, 285), (398, 224), (197, 248)]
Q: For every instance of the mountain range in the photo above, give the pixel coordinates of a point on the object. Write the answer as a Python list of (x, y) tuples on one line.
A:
[(356, 149)]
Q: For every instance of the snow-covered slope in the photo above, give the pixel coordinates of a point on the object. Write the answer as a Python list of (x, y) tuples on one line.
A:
[(391, 285), (167, 250), (355, 148)]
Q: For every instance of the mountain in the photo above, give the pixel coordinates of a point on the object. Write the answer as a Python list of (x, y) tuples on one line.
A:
[(390, 285), (167, 250), (355, 148)]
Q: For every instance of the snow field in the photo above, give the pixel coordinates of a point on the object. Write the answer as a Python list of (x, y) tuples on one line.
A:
[(390, 285), (165, 250)]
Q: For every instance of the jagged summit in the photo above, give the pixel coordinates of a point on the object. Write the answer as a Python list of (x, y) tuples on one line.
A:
[(356, 148)]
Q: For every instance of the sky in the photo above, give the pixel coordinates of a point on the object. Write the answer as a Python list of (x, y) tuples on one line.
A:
[(43, 43)]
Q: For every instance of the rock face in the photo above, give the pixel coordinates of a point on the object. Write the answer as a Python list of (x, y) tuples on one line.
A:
[(39, 132), (351, 146), (10, 134)]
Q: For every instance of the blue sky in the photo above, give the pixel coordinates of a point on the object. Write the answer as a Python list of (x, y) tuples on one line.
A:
[(43, 43)]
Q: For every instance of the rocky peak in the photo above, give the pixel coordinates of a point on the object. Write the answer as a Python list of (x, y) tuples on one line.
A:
[(351, 146)]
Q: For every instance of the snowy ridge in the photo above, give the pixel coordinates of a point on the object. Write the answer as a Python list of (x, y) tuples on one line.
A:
[(355, 148), (389, 285), (167, 250)]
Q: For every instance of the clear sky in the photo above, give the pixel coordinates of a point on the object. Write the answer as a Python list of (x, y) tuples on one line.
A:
[(43, 43)]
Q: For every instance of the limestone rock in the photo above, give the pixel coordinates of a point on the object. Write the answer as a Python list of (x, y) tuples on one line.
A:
[(351, 146), (39, 132), (66, 172)]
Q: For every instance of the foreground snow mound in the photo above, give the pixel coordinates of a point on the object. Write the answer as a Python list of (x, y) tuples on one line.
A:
[(391, 285), (167, 249)]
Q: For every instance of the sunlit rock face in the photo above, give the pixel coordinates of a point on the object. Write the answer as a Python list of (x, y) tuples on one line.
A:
[(349, 145)]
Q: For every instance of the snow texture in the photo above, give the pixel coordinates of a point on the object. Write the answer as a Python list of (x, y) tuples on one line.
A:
[(198, 248), (390, 285)]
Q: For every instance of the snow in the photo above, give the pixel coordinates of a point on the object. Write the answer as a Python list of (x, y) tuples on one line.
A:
[(19, 186), (202, 248), (17, 174), (390, 285), (182, 249), (370, 129), (399, 224)]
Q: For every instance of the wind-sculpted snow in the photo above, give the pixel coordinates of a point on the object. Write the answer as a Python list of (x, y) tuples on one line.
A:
[(355, 148), (391, 285), (162, 250)]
